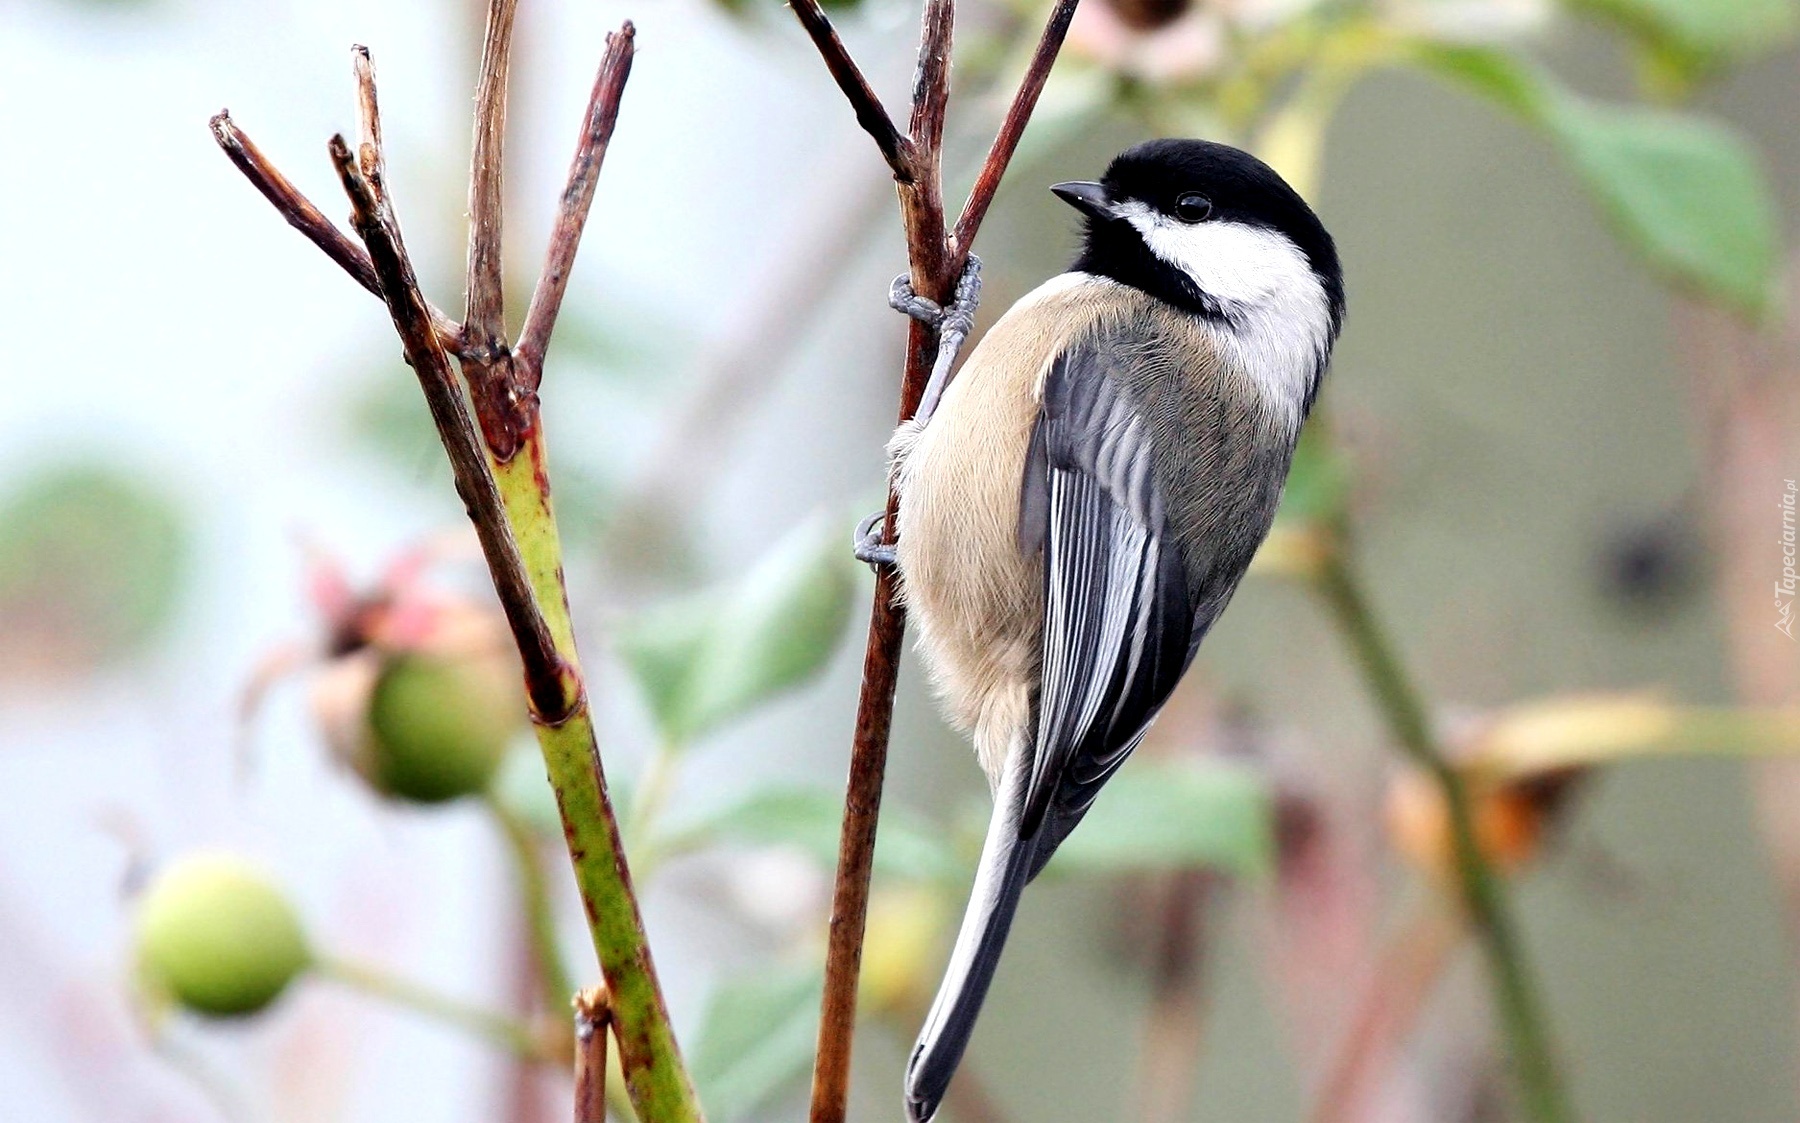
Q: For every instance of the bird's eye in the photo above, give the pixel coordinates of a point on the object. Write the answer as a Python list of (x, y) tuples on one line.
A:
[(1193, 207)]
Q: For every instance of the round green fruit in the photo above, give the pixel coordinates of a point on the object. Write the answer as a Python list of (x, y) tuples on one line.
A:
[(216, 935), (439, 727)]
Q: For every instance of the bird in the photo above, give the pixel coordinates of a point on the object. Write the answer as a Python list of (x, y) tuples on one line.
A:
[(1079, 504)]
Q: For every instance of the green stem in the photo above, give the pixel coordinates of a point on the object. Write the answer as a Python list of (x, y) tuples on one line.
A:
[(654, 1074), (540, 913), (507, 1033), (1521, 1016)]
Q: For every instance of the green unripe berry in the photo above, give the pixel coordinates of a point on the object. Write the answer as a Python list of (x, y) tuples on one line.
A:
[(217, 936), (438, 727)]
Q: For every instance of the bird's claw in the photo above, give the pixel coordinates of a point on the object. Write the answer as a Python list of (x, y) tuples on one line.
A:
[(868, 546), (959, 316)]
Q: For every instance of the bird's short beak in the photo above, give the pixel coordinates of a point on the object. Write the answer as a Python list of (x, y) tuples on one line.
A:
[(1091, 199)]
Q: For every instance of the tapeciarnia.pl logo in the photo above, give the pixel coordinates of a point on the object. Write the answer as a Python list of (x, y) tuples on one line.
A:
[(1785, 588)]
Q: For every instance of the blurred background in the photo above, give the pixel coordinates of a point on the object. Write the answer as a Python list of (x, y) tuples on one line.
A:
[(251, 678)]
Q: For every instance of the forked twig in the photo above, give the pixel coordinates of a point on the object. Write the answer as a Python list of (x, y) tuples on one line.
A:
[(508, 495), (936, 262)]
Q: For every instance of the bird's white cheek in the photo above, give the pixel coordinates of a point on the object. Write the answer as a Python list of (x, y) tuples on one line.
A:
[(1230, 261)]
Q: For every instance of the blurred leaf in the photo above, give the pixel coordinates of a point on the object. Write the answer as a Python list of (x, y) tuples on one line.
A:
[(810, 818), (1700, 34), (387, 416), (757, 1039), (712, 656), (630, 345), (1318, 480), (523, 789), (1685, 192), (1174, 814), (1589, 729), (92, 559), (1688, 193), (902, 946)]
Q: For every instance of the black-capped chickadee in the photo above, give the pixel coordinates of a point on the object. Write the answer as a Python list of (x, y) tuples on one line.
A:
[(1079, 505)]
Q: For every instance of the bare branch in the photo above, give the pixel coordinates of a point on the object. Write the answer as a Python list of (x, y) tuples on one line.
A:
[(572, 212), (375, 222), (299, 211), (593, 1017), (370, 157), (931, 81), (870, 113), (1006, 142), (303, 216), (484, 322)]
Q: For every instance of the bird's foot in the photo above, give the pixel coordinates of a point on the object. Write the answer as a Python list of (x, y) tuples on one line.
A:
[(959, 317), (868, 546)]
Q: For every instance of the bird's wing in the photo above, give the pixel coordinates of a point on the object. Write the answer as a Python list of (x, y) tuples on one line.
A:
[(1118, 612)]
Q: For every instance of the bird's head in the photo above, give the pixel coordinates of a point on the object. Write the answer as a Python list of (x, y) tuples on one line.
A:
[(1210, 229)]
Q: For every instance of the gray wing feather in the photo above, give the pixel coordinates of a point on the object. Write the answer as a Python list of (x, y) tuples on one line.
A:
[(1118, 617)]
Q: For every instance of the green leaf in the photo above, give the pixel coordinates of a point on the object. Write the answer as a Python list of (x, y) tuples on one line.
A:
[(712, 656), (1687, 193), (1704, 32), (757, 1039), (1318, 479), (810, 819), (92, 560), (1159, 815)]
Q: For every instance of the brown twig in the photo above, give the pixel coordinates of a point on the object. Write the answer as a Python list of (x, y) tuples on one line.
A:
[(935, 265), (870, 113), (593, 1018), (303, 216), (484, 324), (1176, 1025), (572, 211), (1012, 129), (1386, 1014)]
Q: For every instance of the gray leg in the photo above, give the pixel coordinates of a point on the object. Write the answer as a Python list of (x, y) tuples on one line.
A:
[(952, 324), (868, 546)]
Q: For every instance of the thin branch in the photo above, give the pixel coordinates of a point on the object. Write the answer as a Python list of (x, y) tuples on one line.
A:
[(508, 1033), (593, 1016), (935, 266), (303, 216), (1176, 1024), (369, 153), (374, 221), (1006, 142), (484, 324), (572, 212), (931, 79), (300, 212), (1385, 1015), (1540, 1085), (870, 113), (540, 912)]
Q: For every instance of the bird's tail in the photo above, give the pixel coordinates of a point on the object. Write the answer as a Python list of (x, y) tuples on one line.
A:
[(1006, 865)]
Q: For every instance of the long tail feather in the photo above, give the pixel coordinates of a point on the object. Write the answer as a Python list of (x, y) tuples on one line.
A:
[(1006, 865)]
